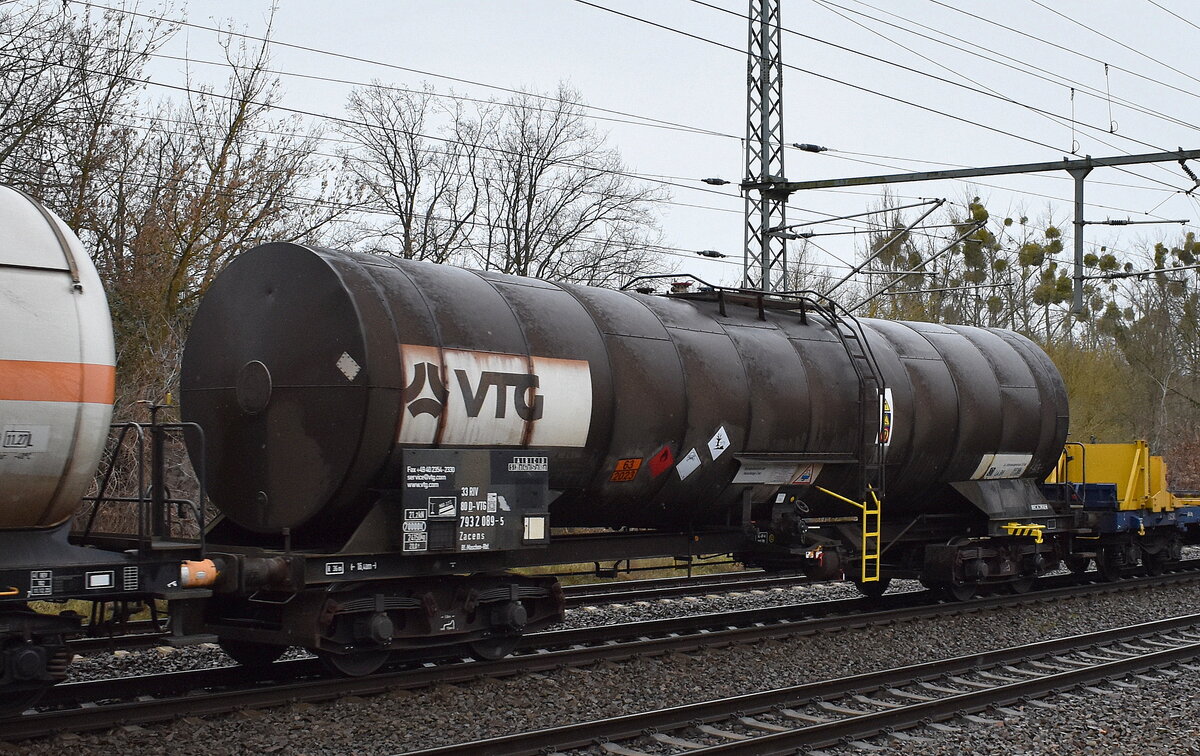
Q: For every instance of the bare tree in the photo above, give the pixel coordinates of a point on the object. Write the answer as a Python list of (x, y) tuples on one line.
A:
[(804, 274), (181, 189), (427, 185), (36, 76), (67, 84), (559, 196), (525, 187)]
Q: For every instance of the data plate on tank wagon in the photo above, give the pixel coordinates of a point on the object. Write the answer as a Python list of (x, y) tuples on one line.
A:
[(470, 500)]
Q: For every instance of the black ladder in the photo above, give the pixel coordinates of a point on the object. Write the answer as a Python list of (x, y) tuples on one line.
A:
[(875, 422)]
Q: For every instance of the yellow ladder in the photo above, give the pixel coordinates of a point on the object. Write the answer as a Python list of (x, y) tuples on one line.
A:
[(871, 539), (872, 525)]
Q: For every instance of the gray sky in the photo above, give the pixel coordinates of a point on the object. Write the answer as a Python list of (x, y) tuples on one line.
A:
[(622, 64)]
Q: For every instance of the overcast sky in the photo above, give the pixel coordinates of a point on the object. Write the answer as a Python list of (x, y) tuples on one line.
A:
[(626, 65)]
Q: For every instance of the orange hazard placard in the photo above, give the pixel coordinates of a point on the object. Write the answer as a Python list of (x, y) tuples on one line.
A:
[(625, 470)]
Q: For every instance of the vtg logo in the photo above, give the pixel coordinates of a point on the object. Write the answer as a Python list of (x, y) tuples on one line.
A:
[(521, 383), (425, 374), (426, 395), (474, 398)]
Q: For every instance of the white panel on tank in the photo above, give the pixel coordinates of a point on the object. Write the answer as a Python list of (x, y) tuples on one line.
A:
[(997, 466), (487, 398), (566, 390), (38, 309)]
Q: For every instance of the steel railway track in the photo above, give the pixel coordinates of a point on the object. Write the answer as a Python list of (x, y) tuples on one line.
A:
[(103, 703), (587, 594), (143, 633), (848, 709)]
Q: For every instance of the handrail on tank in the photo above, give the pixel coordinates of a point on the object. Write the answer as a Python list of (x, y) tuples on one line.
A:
[(834, 306), (100, 497), (200, 470), (144, 498), (662, 276), (827, 306), (1062, 469), (821, 302)]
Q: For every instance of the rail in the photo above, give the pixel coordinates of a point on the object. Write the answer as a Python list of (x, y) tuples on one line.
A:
[(832, 712), (71, 706)]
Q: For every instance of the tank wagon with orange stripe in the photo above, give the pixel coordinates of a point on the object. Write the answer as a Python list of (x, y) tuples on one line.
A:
[(56, 402), (56, 366)]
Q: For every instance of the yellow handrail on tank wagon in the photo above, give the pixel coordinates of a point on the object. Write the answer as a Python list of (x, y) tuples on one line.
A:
[(872, 527)]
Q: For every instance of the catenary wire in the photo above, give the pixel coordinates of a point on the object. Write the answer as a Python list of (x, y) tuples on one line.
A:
[(642, 176), (841, 82), (1063, 48), (383, 64), (1025, 67), (1115, 41), (1053, 117), (639, 176)]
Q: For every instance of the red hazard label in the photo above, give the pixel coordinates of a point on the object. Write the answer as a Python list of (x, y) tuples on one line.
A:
[(661, 462)]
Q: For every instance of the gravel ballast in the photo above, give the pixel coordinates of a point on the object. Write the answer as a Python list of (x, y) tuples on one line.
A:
[(446, 714), (1155, 719)]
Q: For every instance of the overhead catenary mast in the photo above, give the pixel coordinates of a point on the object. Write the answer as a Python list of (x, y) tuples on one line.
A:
[(765, 265)]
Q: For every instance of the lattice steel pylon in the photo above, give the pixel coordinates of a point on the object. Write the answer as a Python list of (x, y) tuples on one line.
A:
[(765, 265)]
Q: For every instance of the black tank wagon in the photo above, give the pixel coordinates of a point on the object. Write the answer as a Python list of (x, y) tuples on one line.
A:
[(387, 439)]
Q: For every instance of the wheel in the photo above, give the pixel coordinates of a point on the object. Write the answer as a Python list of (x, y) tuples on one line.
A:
[(1155, 563), (963, 592), (356, 663), (1078, 564), (497, 647), (250, 654), (1021, 584), (874, 589), (1109, 565)]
